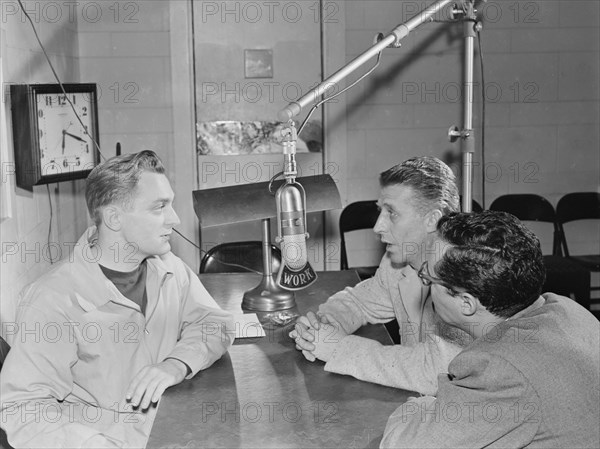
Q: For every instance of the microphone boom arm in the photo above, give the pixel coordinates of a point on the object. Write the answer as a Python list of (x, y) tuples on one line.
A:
[(393, 39)]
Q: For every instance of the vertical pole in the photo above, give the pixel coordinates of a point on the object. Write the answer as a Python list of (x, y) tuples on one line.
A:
[(468, 142), (266, 247)]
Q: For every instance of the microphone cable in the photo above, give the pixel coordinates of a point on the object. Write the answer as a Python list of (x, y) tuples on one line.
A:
[(325, 100), (97, 147), (204, 252)]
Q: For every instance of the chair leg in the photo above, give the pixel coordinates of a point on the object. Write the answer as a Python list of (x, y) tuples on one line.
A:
[(583, 292)]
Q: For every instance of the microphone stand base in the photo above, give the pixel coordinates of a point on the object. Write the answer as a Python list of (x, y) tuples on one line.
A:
[(268, 297)]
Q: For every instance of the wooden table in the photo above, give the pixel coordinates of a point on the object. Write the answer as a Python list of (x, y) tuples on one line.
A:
[(265, 394)]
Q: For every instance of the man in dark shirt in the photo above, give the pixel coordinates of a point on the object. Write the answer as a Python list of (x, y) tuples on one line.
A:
[(106, 331)]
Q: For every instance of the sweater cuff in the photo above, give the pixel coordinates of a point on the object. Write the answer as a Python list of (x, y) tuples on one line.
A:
[(342, 358), (187, 367)]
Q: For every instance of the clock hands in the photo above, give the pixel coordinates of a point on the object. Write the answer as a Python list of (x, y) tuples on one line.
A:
[(65, 133)]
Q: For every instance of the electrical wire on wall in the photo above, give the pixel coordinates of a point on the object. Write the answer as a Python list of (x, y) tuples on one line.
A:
[(97, 147), (95, 144), (49, 225)]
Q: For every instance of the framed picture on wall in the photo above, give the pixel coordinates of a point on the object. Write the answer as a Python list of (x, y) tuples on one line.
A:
[(258, 63)]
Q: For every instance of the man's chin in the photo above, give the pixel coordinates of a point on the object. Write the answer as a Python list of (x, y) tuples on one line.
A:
[(165, 249), (396, 257), (162, 249)]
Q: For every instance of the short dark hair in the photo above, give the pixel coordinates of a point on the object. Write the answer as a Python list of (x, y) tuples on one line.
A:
[(115, 180), (494, 257), (430, 179)]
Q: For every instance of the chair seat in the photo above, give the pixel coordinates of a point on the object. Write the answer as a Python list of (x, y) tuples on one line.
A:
[(565, 277), (591, 261)]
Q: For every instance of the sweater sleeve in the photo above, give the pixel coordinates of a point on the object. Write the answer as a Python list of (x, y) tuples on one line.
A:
[(487, 401), (425, 351), (367, 302), (206, 330), (413, 368)]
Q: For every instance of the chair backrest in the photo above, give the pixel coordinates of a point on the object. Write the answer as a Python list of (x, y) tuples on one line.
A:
[(526, 206), (238, 257), (576, 206), (355, 216), (530, 207)]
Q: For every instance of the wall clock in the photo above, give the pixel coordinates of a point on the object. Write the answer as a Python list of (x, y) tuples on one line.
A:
[(51, 145)]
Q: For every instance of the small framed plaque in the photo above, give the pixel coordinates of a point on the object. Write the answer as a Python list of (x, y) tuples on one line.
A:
[(258, 63)]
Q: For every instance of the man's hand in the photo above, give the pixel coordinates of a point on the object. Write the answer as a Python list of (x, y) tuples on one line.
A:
[(326, 339), (301, 335), (150, 382), (316, 336)]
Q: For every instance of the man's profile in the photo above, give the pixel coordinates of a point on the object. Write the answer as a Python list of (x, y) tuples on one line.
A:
[(414, 195)]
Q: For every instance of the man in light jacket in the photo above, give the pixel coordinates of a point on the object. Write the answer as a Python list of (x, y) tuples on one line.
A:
[(104, 333), (531, 377), (414, 196)]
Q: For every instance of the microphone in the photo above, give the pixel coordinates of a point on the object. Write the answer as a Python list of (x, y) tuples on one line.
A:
[(291, 220), (295, 272)]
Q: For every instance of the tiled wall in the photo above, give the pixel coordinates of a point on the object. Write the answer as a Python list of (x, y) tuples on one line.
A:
[(126, 52), (26, 247), (541, 66)]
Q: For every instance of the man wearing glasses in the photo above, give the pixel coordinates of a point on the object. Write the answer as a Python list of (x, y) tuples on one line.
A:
[(414, 196), (531, 377)]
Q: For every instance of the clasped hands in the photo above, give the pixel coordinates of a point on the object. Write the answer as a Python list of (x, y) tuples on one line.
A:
[(317, 336)]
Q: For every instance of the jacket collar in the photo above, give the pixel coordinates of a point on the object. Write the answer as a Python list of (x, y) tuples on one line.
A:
[(526, 311), (100, 290)]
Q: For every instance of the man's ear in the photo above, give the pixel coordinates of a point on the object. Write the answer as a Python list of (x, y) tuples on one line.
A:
[(111, 217), (469, 304), (432, 218)]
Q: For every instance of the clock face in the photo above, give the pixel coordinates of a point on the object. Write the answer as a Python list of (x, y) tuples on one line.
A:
[(64, 143)]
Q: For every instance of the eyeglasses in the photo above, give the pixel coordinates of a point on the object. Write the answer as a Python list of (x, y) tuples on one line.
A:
[(427, 279)]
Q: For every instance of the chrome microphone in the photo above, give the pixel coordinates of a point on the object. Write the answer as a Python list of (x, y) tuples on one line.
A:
[(295, 272), (291, 223)]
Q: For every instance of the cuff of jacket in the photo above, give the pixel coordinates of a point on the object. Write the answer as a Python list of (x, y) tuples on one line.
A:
[(347, 356)]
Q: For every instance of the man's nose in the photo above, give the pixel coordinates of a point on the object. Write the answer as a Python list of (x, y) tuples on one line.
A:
[(173, 218), (380, 226)]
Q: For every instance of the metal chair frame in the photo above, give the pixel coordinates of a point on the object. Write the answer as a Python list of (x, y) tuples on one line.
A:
[(563, 275)]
